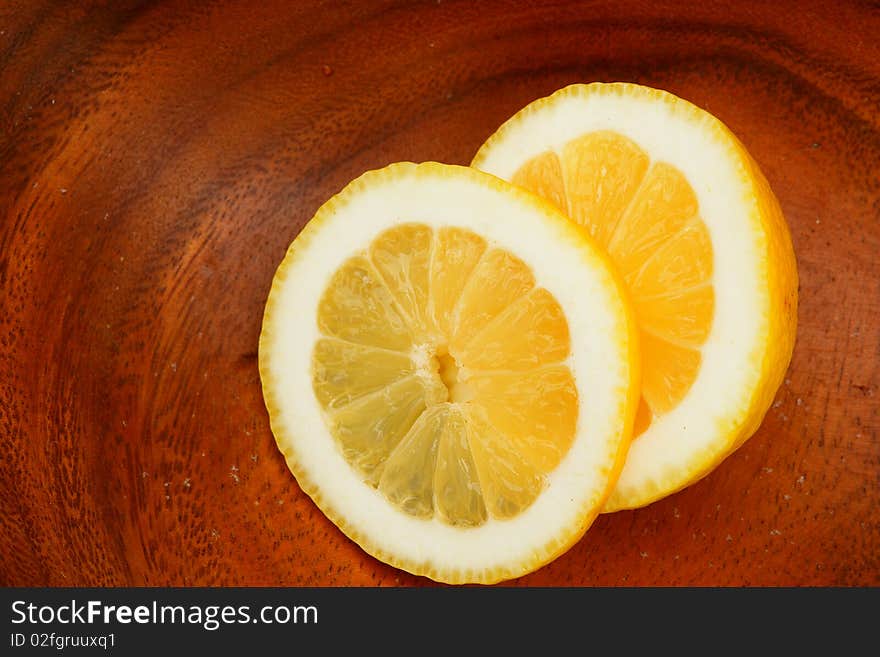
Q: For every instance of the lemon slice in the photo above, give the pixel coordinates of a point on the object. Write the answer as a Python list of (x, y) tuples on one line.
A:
[(694, 229), (451, 371)]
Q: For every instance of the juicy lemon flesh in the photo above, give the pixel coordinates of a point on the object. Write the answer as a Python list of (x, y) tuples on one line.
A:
[(442, 374), (646, 215)]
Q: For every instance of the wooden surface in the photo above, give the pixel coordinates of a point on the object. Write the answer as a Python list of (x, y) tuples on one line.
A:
[(157, 158)]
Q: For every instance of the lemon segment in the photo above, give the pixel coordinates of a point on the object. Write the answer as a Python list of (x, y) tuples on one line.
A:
[(456, 253), (530, 332), (543, 175), (369, 429), (346, 371), (661, 208), (536, 411), (457, 491), (358, 308), (408, 473), (682, 317), (602, 171), (402, 258), (498, 280), (509, 480)]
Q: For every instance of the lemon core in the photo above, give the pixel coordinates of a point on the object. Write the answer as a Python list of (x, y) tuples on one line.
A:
[(452, 377)]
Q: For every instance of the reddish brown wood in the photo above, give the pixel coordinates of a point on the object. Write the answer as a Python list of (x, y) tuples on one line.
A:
[(157, 158)]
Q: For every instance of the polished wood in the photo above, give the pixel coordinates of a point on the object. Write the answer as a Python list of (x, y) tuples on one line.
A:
[(157, 158)]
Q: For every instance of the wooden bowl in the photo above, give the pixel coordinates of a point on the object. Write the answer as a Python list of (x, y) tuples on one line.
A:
[(156, 163)]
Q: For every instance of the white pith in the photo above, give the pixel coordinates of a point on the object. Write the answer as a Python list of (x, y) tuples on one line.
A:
[(569, 268), (677, 445)]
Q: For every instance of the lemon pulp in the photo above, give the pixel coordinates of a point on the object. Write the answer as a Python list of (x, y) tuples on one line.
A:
[(646, 215), (442, 374)]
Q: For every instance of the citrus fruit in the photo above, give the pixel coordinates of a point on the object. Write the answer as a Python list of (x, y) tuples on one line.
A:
[(450, 368), (692, 226)]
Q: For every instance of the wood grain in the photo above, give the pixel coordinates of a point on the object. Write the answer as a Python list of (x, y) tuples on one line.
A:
[(157, 158)]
